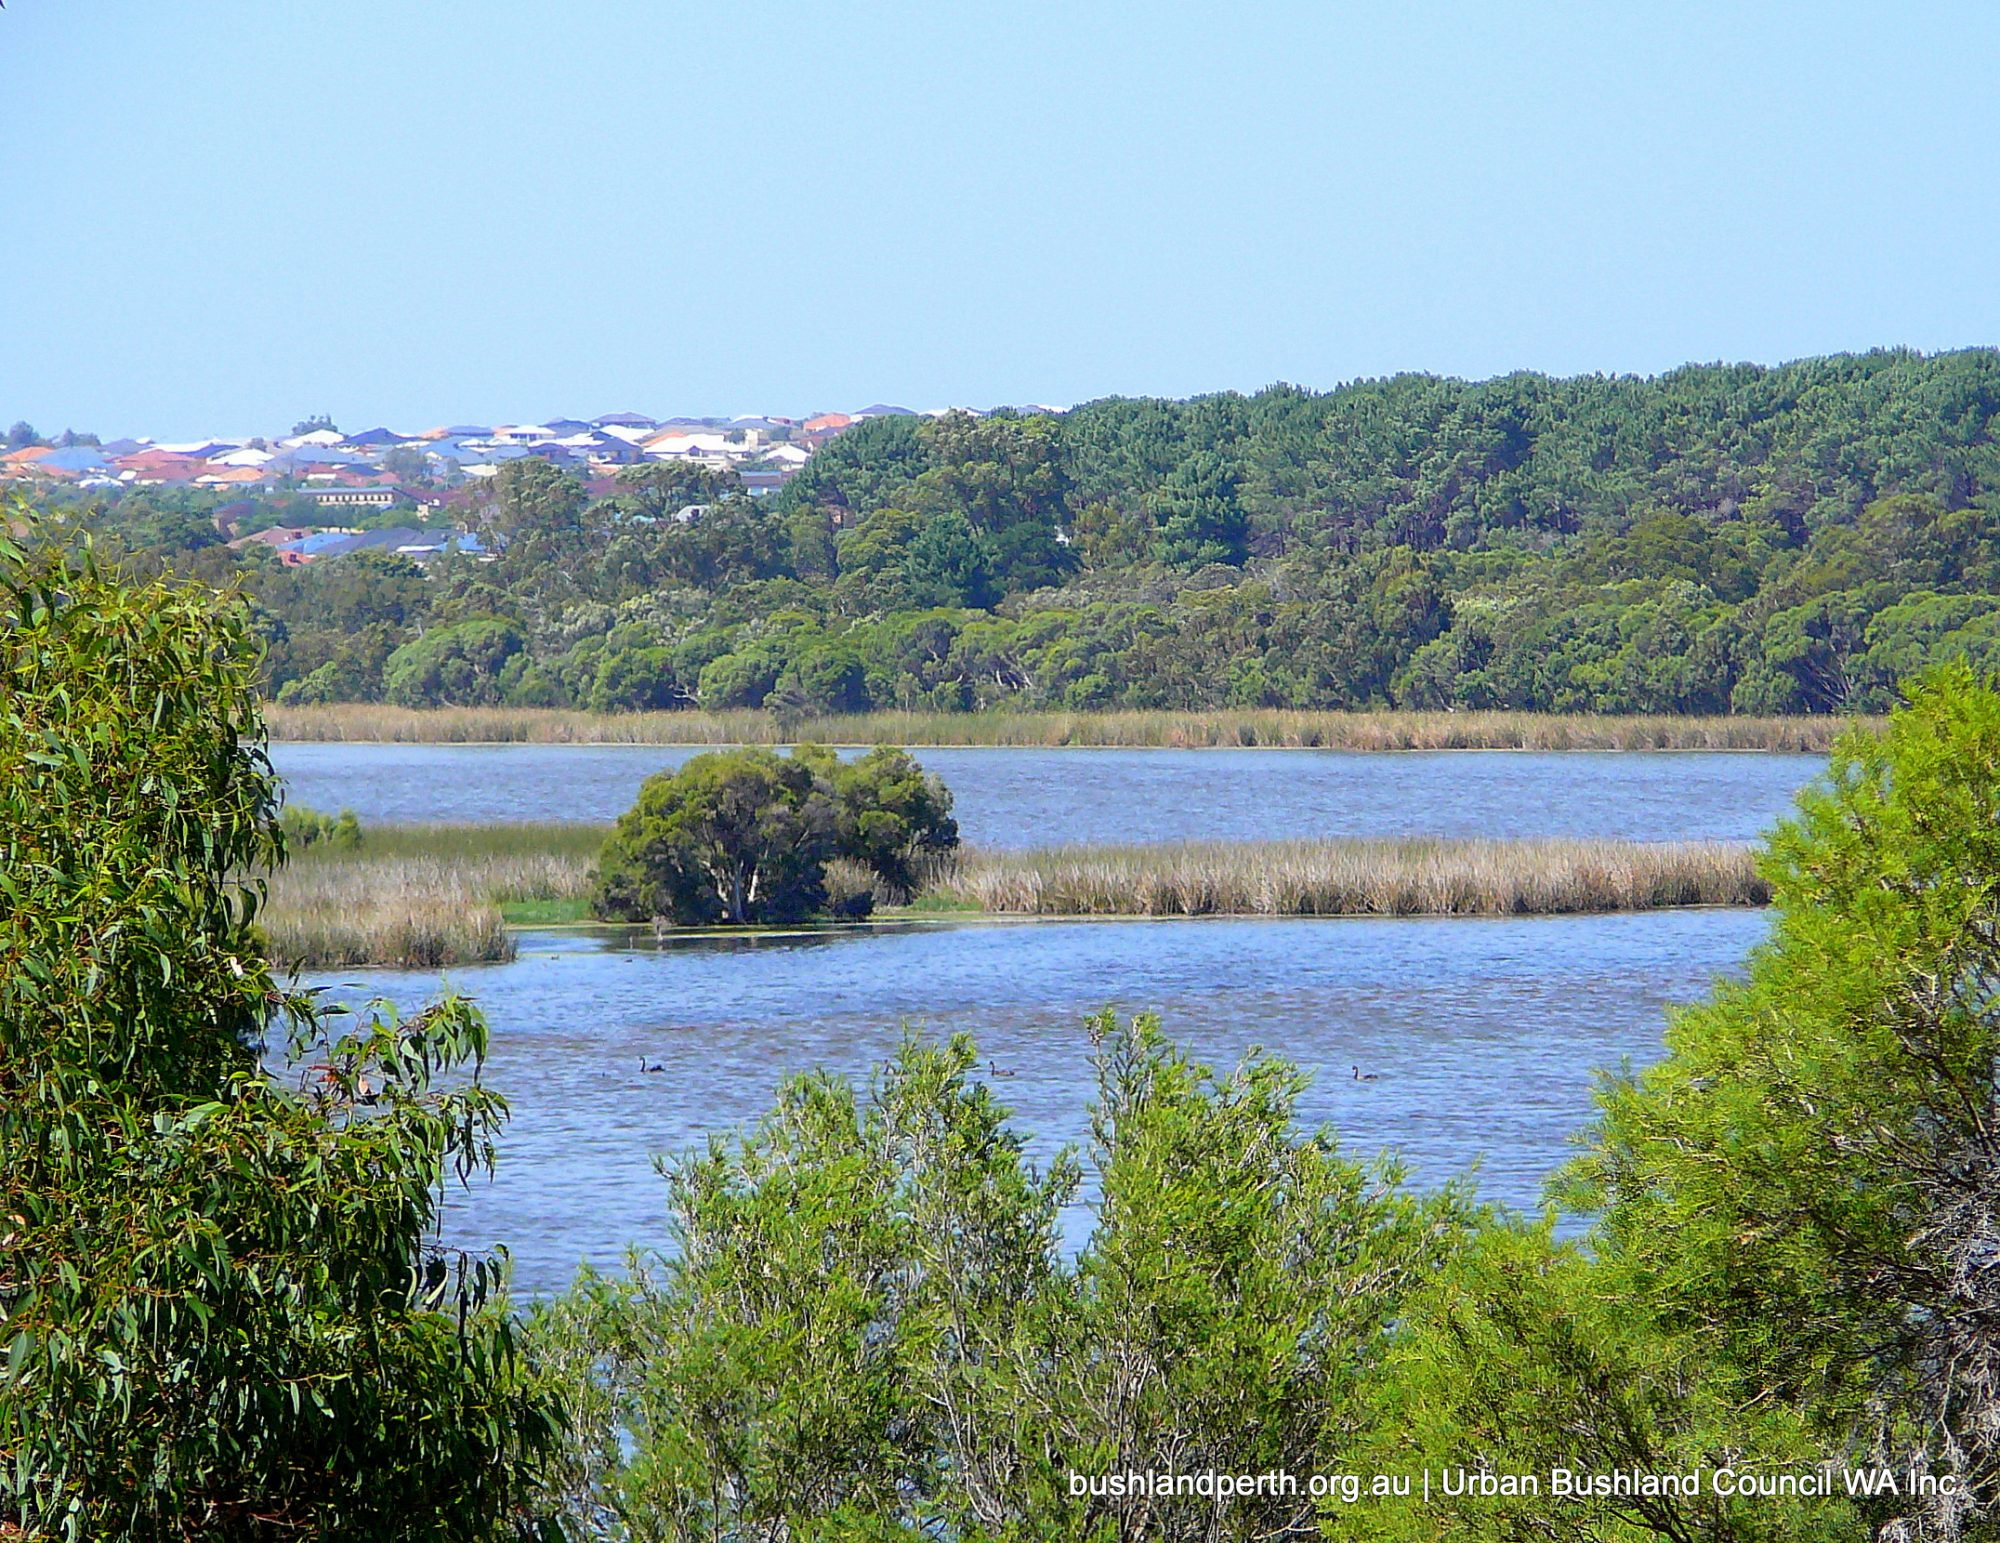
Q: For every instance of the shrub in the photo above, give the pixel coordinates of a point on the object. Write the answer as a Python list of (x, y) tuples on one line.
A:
[(305, 828), (893, 815), (871, 1328)]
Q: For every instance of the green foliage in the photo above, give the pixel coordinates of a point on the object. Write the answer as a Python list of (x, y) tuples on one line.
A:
[(738, 836), (746, 836), (303, 827), (532, 498), (892, 815), (1718, 538), (869, 1326), (462, 663), (222, 1313), (1199, 518), (1792, 1257)]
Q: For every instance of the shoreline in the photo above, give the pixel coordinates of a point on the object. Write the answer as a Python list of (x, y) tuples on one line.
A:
[(1370, 731)]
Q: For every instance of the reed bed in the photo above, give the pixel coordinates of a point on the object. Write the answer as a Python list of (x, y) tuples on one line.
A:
[(422, 896), (427, 896), (1263, 727), (1425, 877)]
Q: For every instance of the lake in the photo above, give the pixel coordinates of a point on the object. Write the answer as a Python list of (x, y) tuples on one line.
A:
[(1482, 1035), (1020, 797)]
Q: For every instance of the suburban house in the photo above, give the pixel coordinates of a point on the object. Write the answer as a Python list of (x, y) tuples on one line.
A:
[(368, 496)]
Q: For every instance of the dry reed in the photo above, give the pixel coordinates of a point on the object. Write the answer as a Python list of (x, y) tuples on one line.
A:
[(421, 897), (1411, 877), (1262, 727)]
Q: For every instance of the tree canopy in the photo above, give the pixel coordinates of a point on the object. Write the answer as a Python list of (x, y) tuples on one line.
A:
[(745, 836), (1721, 538)]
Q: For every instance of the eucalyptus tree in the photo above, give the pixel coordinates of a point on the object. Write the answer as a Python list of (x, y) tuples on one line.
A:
[(223, 1311)]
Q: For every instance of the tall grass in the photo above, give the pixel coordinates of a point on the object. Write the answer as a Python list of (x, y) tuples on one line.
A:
[(1273, 727), (425, 896), (422, 896), (1408, 877)]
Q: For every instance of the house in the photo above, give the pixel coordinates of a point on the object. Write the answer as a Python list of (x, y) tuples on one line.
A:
[(524, 434), (318, 439), (274, 536), (374, 496), (75, 458), (710, 447), (827, 423), (247, 456), (373, 439), (25, 462), (616, 421), (156, 468), (228, 516), (314, 458), (202, 449), (231, 477)]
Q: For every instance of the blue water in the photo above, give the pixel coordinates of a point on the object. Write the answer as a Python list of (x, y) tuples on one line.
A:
[(1013, 798), (1482, 1035)]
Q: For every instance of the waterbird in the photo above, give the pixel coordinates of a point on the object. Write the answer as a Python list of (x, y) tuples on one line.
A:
[(995, 1071), (655, 1067), (1362, 1076)]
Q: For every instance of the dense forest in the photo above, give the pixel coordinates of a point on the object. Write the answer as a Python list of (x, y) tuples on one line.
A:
[(1720, 538)]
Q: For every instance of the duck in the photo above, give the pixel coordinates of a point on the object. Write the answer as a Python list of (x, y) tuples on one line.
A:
[(655, 1067), (1362, 1076)]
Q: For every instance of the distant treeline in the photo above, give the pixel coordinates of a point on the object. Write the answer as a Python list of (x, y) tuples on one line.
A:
[(1721, 539)]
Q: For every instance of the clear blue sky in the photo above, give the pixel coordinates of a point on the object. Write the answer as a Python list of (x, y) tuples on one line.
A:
[(222, 216)]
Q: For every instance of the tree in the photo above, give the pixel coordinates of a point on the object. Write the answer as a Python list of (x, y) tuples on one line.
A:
[(893, 815), (739, 837), (534, 497), (223, 1310), (318, 423), (1199, 518), (658, 490), (947, 564), (459, 665), (823, 678), (406, 463), (22, 435)]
